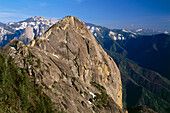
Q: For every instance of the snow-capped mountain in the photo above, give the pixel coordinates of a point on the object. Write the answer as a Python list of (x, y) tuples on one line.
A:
[(115, 34), (148, 31), (25, 30), (36, 26)]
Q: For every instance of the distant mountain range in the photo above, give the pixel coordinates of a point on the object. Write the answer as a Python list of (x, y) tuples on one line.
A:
[(36, 26), (25, 30), (148, 31), (103, 33)]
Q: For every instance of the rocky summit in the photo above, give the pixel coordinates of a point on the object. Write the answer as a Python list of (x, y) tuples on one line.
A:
[(25, 30), (72, 68)]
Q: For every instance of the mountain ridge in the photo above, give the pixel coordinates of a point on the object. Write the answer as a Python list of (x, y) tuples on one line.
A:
[(69, 61), (25, 30), (148, 31), (37, 25)]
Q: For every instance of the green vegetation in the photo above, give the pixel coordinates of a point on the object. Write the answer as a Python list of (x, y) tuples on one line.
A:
[(98, 86), (30, 54), (100, 99), (62, 111), (18, 92), (38, 63)]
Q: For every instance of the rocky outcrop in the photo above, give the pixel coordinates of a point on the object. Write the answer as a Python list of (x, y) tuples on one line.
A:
[(73, 69), (28, 34)]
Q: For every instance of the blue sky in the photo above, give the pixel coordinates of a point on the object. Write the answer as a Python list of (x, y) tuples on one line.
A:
[(129, 14)]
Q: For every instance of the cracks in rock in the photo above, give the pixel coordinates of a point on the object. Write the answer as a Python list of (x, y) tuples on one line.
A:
[(62, 72), (76, 64), (75, 59), (73, 83), (68, 49), (87, 45)]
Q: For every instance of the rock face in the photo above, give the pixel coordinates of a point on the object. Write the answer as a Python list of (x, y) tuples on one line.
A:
[(72, 68), (28, 34)]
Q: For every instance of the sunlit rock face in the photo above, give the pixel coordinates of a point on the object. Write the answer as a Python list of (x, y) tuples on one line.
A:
[(72, 68)]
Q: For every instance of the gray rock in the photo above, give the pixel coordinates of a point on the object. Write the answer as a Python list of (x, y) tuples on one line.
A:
[(73, 69)]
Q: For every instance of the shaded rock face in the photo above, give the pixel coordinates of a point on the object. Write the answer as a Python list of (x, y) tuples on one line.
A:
[(72, 68)]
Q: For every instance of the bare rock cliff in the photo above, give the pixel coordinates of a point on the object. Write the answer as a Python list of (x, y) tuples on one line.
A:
[(73, 69)]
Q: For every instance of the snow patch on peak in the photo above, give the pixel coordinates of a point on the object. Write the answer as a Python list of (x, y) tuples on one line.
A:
[(10, 23), (92, 29), (124, 30), (97, 29), (39, 25), (95, 34), (88, 27), (138, 30), (166, 32), (111, 33)]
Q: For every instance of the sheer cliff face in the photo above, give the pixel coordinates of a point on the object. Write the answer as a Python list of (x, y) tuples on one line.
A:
[(72, 68)]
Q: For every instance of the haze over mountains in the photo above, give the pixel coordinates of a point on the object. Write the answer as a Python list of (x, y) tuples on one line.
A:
[(143, 62), (148, 31), (36, 26)]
